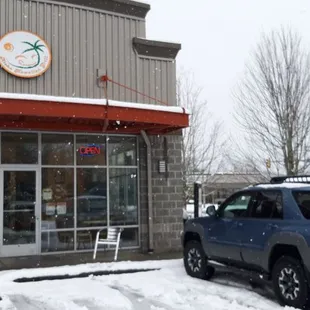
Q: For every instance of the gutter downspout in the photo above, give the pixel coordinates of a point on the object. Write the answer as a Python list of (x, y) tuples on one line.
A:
[(105, 79), (149, 190)]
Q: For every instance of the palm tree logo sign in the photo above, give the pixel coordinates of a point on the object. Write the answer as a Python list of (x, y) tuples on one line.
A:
[(24, 54), (35, 58)]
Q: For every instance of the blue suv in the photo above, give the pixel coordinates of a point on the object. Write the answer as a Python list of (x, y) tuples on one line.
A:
[(263, 230)]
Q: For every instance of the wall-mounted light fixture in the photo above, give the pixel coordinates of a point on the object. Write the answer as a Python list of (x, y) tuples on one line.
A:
[(162, 166)]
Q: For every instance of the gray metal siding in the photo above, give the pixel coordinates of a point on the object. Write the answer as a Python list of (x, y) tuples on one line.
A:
[(83, 41), (157, 78)]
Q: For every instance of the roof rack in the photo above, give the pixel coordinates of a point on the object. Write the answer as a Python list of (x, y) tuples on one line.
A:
[(291, 179)]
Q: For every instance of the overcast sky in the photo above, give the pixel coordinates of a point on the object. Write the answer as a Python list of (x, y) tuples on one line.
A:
[(218, 35)]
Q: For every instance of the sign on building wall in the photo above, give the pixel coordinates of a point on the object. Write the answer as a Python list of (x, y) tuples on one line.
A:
[(24, 54)]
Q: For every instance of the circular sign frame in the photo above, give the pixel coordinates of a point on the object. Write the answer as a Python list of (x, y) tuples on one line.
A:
[(24, 54)]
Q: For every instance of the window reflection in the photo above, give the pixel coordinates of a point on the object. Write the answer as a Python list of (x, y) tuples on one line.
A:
[(123, 196), (122, 151), (19, 148), (129, 238), (57, 149), (57, 190), (55, 241), (19, 221), (86, 238), (92, 197)]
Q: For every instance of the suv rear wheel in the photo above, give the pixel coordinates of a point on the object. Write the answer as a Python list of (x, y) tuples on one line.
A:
[(290, 283), (195, 261)]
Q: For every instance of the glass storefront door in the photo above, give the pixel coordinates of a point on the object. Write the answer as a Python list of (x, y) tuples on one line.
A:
[(19, 212)]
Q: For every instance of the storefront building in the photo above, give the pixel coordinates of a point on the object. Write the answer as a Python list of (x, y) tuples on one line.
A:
[(90, 134)]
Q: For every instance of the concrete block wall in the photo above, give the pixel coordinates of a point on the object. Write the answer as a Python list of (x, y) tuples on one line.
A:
[(168, 201)]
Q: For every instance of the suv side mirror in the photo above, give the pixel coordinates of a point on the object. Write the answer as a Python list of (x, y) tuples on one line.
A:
[(211, 210)]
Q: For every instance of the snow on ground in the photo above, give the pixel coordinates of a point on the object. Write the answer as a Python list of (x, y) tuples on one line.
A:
[(166, 289)]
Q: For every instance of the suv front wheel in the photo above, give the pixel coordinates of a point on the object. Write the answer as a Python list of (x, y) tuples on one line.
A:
[(195, 261), (290, 283)]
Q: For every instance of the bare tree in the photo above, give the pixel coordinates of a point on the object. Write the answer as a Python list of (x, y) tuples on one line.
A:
[(273, 101), (243, 162), (241, 158), (201, 150)]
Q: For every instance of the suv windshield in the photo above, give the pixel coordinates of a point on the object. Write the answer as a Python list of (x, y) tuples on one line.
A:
[(303, 200)]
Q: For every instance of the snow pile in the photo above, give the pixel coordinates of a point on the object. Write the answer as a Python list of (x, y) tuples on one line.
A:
[(167, 289), (83, 268)]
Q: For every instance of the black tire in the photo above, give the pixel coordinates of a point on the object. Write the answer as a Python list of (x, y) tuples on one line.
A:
[(195, 261), (290, 283)]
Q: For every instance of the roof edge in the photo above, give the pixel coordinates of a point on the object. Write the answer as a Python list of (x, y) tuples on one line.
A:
[(125, 7), (59, 99), (152, 48)]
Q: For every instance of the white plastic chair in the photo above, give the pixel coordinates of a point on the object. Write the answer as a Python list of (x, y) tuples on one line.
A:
[(114, 237)]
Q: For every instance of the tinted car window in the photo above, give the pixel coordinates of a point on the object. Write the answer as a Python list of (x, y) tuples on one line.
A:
[(303, 200), (268, 205)]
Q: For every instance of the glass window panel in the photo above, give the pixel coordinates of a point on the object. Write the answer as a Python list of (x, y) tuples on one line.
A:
[(123, 196), (122, 151), (129, 238), (19, 221), (237, 206), (56, 241), (57, 201), (91, 150), (57, 149), (92, 197), (19, 148), (85, 239)]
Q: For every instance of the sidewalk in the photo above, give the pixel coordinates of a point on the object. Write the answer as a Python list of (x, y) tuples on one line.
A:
[(79, 258)]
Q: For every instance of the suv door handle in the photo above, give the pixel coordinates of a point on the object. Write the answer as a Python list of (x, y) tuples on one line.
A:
[(238, 224), (272, 226)]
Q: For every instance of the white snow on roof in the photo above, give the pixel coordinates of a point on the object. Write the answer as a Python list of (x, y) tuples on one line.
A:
[(129, 105), (141, 1), (159, 40), (284, 185)]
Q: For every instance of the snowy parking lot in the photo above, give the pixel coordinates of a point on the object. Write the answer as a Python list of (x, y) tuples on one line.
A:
[(168, 288)]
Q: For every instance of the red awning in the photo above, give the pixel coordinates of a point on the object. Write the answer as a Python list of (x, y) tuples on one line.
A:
[(21, 111)]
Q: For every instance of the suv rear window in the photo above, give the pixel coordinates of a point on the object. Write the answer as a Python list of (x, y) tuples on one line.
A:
[(303, 200)]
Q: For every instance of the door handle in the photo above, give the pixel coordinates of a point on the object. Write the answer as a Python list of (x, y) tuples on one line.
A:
[(273, 226), (238, 224)]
